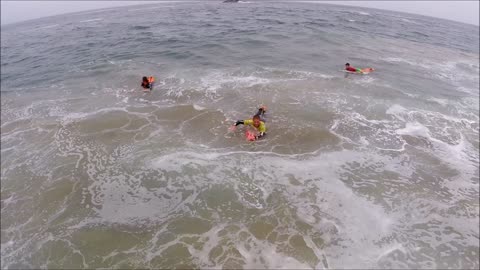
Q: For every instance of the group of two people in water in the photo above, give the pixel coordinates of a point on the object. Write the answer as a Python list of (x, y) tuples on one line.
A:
[(258, 119)]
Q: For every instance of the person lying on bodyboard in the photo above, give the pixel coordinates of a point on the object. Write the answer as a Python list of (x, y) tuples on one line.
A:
[(358, 70), (257, 121)]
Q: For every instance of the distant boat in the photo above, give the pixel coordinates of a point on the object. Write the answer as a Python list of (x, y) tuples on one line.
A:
[(230, 1)]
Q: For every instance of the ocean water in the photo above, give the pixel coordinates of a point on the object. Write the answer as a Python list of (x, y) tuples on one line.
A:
[(356, 171)]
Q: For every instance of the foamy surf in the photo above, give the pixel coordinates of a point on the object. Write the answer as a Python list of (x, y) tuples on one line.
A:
[(356, 171), (92, 20)]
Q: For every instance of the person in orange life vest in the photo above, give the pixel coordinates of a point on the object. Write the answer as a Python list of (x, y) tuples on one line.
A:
[(147, 83)]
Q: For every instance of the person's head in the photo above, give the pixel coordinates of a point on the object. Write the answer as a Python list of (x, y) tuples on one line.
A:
[(347, 64), (256, 121), (144, 79)]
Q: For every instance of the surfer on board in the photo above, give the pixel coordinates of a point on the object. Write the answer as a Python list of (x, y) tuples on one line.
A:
[(257, 121)]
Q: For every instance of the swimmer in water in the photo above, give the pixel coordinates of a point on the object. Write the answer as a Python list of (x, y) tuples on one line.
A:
[(147, 83), (358, 70), (352, 69), (257, 121)]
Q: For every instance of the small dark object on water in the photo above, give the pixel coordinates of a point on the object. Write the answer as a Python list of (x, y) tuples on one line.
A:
[(230, 1)]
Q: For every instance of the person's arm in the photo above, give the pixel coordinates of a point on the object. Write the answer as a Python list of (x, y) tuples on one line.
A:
[(239, 122), (259, 135)]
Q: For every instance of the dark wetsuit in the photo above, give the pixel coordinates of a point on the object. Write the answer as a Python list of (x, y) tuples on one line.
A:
[(146, 85)]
